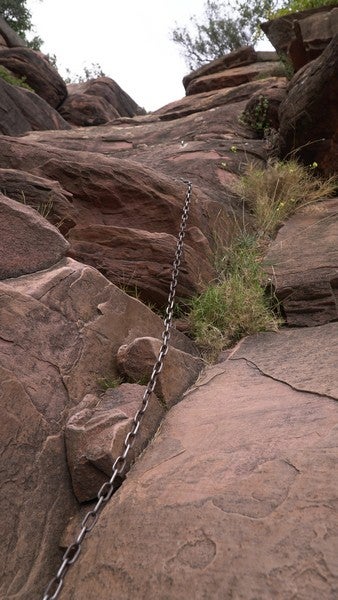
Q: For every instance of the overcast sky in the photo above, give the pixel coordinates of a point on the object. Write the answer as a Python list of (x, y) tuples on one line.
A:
[(130, 39)]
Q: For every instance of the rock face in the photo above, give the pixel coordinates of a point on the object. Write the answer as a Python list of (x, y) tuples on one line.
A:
[(95, 434), (303, 36), (245, 461), (23, 111), (312, 92), (247, 458), (231, 77), (34, 243), (37, 72), (97, 101), (305, 266), (180, 370), (63, 326)]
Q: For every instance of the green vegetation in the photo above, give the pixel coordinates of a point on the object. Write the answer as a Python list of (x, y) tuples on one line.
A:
[(109, 383), (92, 71), (292, 6), (274, 193), (236, 304), (13, 80), (19, 17), (224, 27), (257, 117)]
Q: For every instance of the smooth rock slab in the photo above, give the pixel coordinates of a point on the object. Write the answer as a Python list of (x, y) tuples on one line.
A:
[(235, 498), (28, 243)]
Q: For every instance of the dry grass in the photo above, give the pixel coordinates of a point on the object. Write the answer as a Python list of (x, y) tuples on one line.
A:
[(273, 194)]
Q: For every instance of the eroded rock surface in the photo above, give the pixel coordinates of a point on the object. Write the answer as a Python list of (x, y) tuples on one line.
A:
[(35, 69), (303, 265), (313, 92), (97, 101), (245, 461), (23, 111)]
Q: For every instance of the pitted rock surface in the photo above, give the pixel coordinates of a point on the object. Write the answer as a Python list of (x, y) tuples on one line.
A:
[(244, 461)]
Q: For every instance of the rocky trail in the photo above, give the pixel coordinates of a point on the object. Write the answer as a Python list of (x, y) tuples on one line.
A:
[(232, 491)]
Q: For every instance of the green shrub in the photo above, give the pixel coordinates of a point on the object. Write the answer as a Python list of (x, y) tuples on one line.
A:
[(17, 81), (236, 304)]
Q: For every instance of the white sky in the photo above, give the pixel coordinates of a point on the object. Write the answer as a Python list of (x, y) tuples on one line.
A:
[(130, 39)]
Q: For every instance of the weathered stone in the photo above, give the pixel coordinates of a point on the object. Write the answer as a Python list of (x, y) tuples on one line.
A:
[(309, 113), (111, 192), (140, 260), (303, 360), (10, 36), (97, 101), (231, 77), (40, 75), (28, 243), (303, 36), (303, 265), (95, 434), (244, 56), (22, 111), (44, 195), (180, 370), (60, 331), (243, 462)]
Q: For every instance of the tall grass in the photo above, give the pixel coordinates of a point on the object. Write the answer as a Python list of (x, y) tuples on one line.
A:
[(236, 304), (273, 194)]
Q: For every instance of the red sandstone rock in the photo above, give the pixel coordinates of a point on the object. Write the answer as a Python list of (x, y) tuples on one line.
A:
[(245, 461), (303, 36), (60, 331), (95, 434), (22, 111), (231, 77), (244, 56), (309, 113), (28, 243), (180, 370), (304, 266), (97, 101), (40, 75)]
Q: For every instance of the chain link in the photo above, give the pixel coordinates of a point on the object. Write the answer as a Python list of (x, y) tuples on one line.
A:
[(107, 489)]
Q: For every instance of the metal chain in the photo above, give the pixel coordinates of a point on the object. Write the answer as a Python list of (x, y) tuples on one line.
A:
[(106, 491)]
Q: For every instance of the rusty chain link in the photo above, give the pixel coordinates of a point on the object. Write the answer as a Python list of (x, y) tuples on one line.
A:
[(107, 489)]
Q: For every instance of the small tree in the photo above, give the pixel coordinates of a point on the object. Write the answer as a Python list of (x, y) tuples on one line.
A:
[(221, 31), (19, 17)]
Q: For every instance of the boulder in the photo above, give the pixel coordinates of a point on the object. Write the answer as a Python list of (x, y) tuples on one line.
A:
[(304, 266), (238, 58), (28, 243), (231, 77), (114, 193), (35, 69), (180, 370), (309, 113), (22, 111), (95, 434), (60, 332), (245, 461), (302, 36), (44, 195), (97, 101)]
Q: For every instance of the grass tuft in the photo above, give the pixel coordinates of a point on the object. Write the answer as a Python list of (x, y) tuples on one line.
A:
[(236, 305), (274, 193)]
